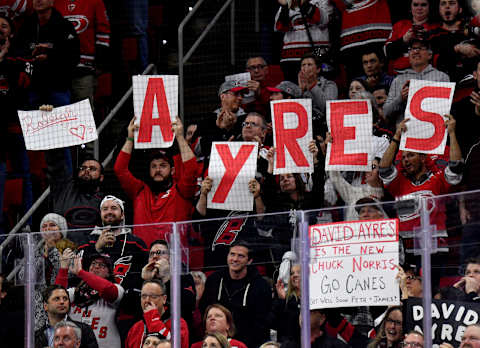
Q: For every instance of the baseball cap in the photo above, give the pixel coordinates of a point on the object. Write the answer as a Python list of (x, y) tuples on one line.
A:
[(287, 87), (231, 86)]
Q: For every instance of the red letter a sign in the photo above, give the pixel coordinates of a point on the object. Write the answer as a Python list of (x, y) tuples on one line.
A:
[(232, 166), (155, 103), (292, 132), (427, 102), (350, 123)]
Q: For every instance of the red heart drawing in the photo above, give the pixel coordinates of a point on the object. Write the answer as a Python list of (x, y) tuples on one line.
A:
[(78, 131)]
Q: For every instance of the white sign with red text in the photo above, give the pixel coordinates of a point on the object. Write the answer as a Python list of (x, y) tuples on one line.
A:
[(427, 102), (232, 166), (354, 264), (155, 105), (62, 127), (350, 124), (292, 132)]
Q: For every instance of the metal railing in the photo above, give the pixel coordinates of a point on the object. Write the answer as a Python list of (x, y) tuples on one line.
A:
[(107, 160)]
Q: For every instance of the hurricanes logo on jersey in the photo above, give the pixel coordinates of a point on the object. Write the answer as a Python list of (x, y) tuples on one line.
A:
[(79, 22), (122, 266), (228, 231)]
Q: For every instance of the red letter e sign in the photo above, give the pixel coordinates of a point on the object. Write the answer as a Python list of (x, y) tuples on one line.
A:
[(232, 166), (292, 131), (427, 102), (155, 105), (350, 123)]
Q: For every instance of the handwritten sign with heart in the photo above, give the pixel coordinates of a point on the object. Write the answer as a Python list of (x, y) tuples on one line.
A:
[(63, 126)]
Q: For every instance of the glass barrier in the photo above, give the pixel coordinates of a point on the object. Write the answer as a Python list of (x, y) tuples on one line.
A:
[(341, 269)]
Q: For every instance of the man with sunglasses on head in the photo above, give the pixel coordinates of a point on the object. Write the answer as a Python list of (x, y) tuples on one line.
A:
[(76, 196)]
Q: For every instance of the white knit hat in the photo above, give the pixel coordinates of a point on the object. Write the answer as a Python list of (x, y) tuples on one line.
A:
[(58, 220)]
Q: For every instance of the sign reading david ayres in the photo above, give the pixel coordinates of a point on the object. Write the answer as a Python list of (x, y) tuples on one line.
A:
[(449, 319), (354, 264), (63, 126)]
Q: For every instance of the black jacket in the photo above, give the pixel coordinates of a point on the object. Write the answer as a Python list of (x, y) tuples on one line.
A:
[(88, 337), (63, 54), (249, 299)]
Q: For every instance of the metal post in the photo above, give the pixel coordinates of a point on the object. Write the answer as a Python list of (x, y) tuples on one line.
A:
[(426, 239), (257, 16), (305, 283), (175, 271), (232, 33), (30, 280)]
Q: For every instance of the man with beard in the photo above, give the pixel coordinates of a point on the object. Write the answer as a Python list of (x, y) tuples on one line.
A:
[(167, 194), (57, 305), (76, 198), (450, 42)]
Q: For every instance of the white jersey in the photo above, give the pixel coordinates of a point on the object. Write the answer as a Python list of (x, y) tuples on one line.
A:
[(101, 317)]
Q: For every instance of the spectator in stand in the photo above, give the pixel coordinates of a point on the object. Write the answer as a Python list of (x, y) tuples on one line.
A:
[(215, 340), (470, 283), (450, 42), (51, 44), (270, 344), (316, 87), (467, 114), (419, 55), (471, 337), (242, 290), (305, 24), (228, 119), (93, 28), (155, 317), (410, 282), (356, 86), (407, 30), (365, 25), (286, 307), (373, 66), (75, 198), (56, 304), (258, 69), (127, 252), (13, 81), (218, 319), (167, 194), (380, 92), (96, 297), (54, 233), (158, 267), (415, 179), (285, 90), (413, 339), (67, 335), (391, 330)]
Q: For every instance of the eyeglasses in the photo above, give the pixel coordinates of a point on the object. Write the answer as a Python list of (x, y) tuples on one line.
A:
[(90, 168), (98, 264), (152, 296), (256, 67), (251, 124), (411, 344), (417, 49), (395, 322), (158, 252), (411, 277)]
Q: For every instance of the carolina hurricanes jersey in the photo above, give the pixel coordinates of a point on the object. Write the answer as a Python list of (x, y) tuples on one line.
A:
[(90, 20), (101, 317), (14, 8)]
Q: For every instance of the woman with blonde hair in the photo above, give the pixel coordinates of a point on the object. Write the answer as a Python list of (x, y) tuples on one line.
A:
[(215, 340)]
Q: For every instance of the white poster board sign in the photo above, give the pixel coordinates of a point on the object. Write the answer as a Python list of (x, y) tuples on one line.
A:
[(427, 103), (292, 132), (232, 166), (155, 106), (241, 80), (350, 124), (354, 264), (62, 127)]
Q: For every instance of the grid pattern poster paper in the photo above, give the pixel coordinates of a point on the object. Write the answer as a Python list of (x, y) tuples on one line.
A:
[(427, 103), (64, 126), (155, 105), (232, 166)]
